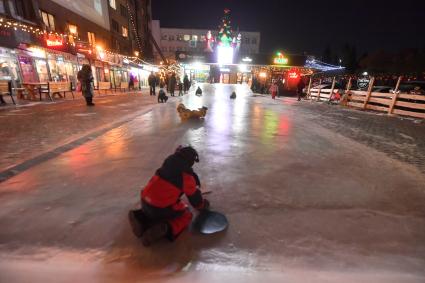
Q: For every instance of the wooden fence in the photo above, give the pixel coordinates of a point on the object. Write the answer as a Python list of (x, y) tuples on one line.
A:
[(412, 105), (321, 94)]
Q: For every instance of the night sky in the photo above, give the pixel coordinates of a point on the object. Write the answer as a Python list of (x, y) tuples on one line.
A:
[(305, 25)]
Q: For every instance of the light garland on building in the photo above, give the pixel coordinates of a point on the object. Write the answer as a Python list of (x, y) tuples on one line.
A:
[(15, 25), (19, 26), (134, 27)]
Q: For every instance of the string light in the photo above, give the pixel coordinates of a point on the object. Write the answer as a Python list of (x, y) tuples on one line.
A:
[(16, 25), (134, 27)]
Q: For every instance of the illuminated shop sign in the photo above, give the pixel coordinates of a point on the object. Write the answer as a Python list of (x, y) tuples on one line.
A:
[(280, 59), (293, 73), (54, 40), (247, 59)]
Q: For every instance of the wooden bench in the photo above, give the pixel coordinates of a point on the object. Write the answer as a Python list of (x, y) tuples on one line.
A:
[(124, 86), (58, 88), (104, 86), (19, 91), (6, 89)]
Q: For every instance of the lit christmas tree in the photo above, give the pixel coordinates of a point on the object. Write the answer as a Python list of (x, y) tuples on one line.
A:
[(225, 30)]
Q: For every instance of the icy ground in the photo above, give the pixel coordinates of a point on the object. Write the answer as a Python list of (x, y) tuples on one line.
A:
[(305, 203)]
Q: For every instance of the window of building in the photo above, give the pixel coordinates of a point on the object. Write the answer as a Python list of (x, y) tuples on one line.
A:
[(73, 29), (123, 11), (113, 4), (179, 37), (92, 38), (16, 8), (247, 40), (203, 38), (186, 37), (124, 31), (171, 37), (192, 44), (114, 25), (194, 38), (48, 20), (164, 37), (254, 41), (2, 11)]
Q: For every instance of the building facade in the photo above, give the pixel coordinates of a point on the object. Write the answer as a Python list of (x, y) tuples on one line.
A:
[(172, 40), (49, 40), (130, 26)]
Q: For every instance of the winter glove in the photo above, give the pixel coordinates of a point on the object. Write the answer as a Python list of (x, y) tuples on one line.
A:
[(206, 205)]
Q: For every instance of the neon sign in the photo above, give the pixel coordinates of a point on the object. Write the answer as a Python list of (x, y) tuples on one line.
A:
[(293, 75), (280, 59), (53, 41)]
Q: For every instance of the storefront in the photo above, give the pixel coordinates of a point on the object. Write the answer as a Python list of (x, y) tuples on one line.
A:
[(141, 75), (197, 71), (33, 64), (145, 73), (63, 67), (9, 66)]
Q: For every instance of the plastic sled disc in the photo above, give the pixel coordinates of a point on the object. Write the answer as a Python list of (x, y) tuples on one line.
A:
[(210, 222)]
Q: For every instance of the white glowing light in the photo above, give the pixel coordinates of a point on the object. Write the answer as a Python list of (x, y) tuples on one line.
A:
[(37, 52), (224, 70), (246, 59), (263, 75), (225, 55), (197, 65), (243, 68)]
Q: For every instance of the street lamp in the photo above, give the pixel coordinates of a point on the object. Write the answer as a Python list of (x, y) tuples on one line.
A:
[(136, 53)]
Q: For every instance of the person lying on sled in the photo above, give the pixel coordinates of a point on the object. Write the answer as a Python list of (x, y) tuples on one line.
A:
[(163, 214)]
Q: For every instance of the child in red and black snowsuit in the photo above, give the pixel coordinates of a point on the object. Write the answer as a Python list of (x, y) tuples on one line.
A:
[(163, 214)]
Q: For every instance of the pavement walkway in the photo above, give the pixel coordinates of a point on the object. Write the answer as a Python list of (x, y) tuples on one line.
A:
[(28, 131), (313, 193)]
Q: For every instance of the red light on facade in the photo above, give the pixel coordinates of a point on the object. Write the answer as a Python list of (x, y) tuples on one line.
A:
[(52, 40), (293, 75)]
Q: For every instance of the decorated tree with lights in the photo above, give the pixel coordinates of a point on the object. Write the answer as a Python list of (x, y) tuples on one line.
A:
[(225, 30)]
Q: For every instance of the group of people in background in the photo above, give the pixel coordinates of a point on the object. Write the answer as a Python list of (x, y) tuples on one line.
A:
[(170, 82), (276, 87)]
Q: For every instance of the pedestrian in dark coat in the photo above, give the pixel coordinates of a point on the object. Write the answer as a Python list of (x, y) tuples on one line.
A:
[(131, 82), (180, 88), (85, 76), (172, 84), (152, 83), (166, 80), (300, 88), (186, 84)]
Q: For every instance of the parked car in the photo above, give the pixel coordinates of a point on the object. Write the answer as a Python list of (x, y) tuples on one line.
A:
[(327, 86), (412, 87), (382, 89)]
